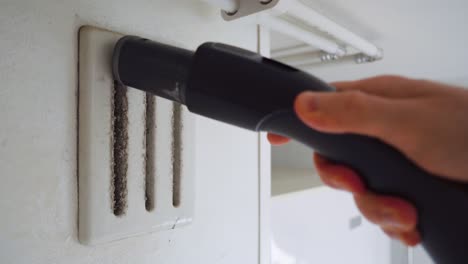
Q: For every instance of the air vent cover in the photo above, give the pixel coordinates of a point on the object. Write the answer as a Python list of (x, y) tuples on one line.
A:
[(135, 152)]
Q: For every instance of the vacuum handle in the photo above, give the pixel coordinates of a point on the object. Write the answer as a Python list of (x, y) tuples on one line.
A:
[(442, 205), (242, 88)]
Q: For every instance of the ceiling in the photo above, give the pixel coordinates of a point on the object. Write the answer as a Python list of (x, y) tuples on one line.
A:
[(420, 39)]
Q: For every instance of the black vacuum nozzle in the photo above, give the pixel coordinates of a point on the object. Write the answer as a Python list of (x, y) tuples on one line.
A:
[(152, 67), (244, 89)]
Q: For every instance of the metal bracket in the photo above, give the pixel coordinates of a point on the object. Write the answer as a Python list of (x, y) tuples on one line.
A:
[(273, 19), (363, 58), (249, 7)]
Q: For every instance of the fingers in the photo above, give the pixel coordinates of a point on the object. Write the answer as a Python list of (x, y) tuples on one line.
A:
[(395, 216), (389, 212), (277, 139), (412, 238), (338, 176), (387, 86), (349, 112)]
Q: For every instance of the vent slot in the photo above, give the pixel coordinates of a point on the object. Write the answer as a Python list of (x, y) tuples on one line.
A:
[(176, 153), (150, 146), (120, 149)]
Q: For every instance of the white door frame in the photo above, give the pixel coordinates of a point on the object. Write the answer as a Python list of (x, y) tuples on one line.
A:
[(264, 170)]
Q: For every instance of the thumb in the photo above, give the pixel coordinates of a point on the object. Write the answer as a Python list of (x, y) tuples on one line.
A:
[(346, 112)]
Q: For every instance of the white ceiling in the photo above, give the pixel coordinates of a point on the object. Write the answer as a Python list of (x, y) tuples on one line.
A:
[(420, 38)]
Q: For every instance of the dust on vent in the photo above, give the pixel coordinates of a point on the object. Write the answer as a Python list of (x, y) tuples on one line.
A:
[(135, 152)]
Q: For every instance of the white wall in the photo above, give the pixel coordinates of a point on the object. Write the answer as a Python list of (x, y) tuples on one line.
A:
[(313, 226), (38, 163)]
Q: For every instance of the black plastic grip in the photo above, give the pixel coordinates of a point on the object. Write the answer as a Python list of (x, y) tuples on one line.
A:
[(244, 89), (442, 205)]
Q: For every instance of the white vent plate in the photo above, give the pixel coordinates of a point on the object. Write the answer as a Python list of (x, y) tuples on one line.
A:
[(135, 152)]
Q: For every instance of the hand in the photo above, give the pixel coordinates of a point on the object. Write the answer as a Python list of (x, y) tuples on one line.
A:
[(426, 121)]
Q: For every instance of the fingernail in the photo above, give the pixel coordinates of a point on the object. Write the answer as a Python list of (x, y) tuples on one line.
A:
[(308, 102)]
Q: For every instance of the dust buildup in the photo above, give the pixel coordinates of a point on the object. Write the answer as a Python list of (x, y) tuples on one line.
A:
[(150, 147), (120, 148), (176, 153)]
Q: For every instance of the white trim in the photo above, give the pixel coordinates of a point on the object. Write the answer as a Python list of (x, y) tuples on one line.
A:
[(410, 255), (264, 166), (308, 15), (292, 51), (292, 30)]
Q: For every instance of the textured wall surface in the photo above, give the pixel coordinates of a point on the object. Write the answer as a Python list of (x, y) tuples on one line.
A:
[(38, 163)]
